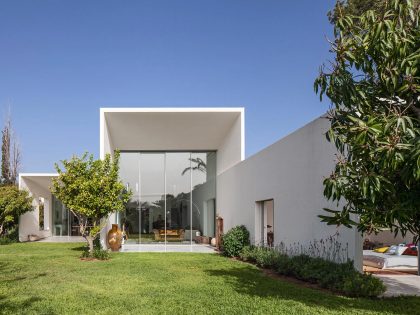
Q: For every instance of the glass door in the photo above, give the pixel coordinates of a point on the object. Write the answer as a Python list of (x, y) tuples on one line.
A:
[(178, 198), (152, 192), (130, 220)]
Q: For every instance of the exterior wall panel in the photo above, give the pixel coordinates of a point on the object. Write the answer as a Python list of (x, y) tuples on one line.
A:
[(290, 172)]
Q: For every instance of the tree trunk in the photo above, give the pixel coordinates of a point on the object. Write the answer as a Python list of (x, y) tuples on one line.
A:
[(89, 240), (1, 229)]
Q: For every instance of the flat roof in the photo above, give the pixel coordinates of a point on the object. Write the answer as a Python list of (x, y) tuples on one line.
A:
[(179, 128)]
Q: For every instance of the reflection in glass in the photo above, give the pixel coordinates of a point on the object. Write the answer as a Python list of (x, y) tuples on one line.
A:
[(178, 187), (173, 196), (152, 191)]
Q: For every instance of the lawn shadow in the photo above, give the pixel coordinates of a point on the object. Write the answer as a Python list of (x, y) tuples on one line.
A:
[(79, 248), (16, 307), (250, 281)]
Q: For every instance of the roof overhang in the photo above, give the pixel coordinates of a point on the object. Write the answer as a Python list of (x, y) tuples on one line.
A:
[(164, 129), (41, 180)]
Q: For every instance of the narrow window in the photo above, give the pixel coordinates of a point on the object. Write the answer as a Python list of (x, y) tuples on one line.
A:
[(41, 214)]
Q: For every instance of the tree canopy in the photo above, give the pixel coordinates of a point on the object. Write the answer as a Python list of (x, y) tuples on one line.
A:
[(91, 189), (13, 203), (374, 87)]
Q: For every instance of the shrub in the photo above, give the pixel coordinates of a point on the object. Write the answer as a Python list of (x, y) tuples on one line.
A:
[(12, 236), (97, 253), (234, 241), (267, 258), (248, 253), (101, 254), (359, 285), (340, 277)]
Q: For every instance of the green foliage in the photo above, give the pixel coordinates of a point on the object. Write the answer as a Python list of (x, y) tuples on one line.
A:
[(97, 253), (13, 203), (362, 285), (338, 277), (354, 7), (262, 256), (11, 237), (92, 190), (374, 87), (234, 240)]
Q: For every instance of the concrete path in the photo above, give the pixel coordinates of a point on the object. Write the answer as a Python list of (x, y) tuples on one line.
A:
[(398, 285), (62, 239), (161, 248)]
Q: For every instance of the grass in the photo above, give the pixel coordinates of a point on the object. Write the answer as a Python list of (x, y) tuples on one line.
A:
[(45, 278)]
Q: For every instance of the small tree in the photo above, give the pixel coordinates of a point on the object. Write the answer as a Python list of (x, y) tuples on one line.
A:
[(91, 190), (13, 203)]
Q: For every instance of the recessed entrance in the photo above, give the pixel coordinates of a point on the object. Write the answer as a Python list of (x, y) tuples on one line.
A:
[(264, 223)]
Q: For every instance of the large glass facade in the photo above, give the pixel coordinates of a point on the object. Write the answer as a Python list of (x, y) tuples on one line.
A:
[(173, 197)]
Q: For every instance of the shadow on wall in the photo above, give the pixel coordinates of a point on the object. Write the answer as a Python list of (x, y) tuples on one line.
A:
[(249, 280)]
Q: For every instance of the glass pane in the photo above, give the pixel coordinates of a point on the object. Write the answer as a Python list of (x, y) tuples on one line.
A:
[(129, 174), (60, 219), (203, 166), (152, 192), (178, 187)]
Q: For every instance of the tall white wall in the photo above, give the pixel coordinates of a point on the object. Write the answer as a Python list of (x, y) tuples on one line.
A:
[(290, 172), (231, 151), (29, 222)]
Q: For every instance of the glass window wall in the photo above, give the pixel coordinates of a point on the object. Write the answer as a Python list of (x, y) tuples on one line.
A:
[(173, 198)]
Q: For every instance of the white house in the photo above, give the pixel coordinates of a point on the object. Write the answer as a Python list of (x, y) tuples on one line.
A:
[(186, 165)]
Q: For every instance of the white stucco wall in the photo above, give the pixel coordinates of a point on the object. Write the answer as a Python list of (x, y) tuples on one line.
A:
[(231, 151), (29, 222), (290, 172)]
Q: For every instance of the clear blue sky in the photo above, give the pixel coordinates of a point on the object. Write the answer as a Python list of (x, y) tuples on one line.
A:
[(60, 61)]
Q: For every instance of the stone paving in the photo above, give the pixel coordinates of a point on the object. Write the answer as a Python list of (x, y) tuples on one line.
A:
[(398, 285)]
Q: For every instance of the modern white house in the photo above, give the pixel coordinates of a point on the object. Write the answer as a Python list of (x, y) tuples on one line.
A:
[(185, 166)]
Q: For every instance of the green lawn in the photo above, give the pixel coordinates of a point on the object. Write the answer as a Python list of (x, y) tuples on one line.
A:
[(45, 278)]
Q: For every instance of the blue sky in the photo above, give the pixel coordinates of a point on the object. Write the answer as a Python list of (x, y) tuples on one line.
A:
[(60, 61)]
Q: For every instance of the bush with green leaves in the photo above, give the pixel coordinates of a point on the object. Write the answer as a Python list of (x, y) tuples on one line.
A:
[(338, 277), (13, 203), (97, 253), (12, 236), (235, 240), (360, 285)]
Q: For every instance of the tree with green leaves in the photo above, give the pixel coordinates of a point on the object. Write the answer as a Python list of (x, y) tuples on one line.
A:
[(91, 189), (374, 88), (13, 203), (358, 7)]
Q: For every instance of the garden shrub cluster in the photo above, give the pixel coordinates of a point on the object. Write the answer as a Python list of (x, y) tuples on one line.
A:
[(339, 277), (11, 237), (235, 240), (97, 253)]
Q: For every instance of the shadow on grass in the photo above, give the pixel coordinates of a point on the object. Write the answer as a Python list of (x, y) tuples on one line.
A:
[(250, 281), (21, 278), (79, 248), (8, 306)]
